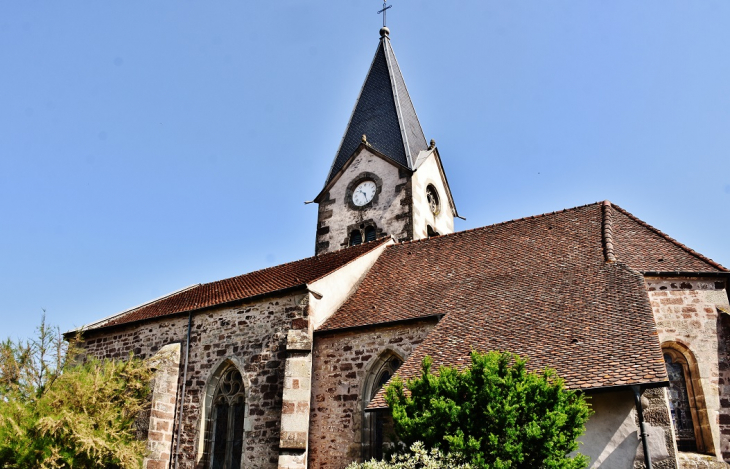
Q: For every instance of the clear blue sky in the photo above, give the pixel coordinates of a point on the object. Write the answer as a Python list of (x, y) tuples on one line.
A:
[(147, 146)]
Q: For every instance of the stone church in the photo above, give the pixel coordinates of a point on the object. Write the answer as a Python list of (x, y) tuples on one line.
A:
[(283, 367)]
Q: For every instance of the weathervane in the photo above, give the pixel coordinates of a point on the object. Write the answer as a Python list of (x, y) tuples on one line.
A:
[(383, 10)]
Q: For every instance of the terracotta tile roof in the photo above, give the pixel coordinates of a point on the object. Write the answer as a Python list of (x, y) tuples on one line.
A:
[(645, 248), (538, 286), (256, 283), (595, 328)]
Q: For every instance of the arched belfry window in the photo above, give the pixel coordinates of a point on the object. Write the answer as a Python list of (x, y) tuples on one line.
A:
[(370, 233), (374, 423), (355, 237), (686, 401), (431, 232), (225, 425)]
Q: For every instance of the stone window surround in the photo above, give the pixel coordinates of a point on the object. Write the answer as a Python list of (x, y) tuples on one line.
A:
[(206, 400), (443, 198), (700, 419), (361, 227), (430, 187), (364, 176), (432, 219)]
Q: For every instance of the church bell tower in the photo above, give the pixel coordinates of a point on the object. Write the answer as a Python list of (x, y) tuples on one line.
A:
[(385, 179)]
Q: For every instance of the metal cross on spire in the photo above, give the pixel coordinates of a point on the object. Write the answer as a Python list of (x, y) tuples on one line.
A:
[(385, 7)]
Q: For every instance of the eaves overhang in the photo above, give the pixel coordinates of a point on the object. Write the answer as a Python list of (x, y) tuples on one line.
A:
[(437, 155), (338, 330), (283, 291), (375, 407), (683, 273)]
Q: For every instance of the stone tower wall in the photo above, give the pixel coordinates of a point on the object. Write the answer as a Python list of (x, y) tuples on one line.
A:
[(428, 173), (389, 212)]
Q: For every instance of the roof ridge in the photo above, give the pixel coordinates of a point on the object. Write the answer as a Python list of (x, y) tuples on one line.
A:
[(607, 231), (515, 220), (221, 292), (383, 241), (671, 240), (404, 104), (331, 172), (376, 241), (396, 100)]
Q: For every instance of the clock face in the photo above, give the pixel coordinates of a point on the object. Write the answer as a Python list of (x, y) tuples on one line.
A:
[(364, 193)]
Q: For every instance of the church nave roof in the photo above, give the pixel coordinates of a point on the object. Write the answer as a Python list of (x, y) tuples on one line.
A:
[(541, 287), (253, 284)]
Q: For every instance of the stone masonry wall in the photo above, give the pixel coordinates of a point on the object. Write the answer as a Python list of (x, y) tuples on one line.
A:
[(657, 422), (428, 173), (250, 335), (724, 386), (341, 365), (296, 399), (686, 313), (166, 363), (389, 212)]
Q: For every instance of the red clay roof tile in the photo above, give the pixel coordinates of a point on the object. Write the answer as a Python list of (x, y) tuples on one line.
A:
[(645, 248), (256, 283), (538, 286)]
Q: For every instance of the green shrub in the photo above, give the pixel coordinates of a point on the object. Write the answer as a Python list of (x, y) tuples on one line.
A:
[(55, 413), (494, 413)]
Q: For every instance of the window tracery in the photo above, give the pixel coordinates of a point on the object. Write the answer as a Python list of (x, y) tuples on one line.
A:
[(225, 438), (375, 422), (432, 197)]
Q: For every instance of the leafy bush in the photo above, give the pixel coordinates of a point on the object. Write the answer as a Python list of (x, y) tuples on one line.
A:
[(495, 413), (55, 413)]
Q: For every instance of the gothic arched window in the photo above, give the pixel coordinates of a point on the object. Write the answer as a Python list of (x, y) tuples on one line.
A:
[(225, 441), (686, 400), (374, 422), (679, 403)]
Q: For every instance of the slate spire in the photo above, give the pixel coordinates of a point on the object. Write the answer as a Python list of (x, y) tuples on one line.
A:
[(384, 112)]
